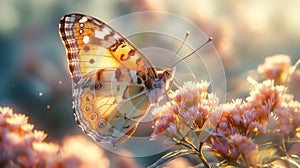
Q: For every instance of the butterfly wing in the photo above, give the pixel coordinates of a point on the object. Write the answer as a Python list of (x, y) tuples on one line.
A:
[(109, 97), (109, 105), (91, 45)]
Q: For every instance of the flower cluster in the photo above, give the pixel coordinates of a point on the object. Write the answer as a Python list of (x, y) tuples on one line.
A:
[(234, 130), (278, 68), (185, 115), (237, 127), (21, 146), (194, 103), (272, 104)]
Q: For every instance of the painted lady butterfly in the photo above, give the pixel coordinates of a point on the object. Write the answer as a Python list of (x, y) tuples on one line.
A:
[(114, 84)]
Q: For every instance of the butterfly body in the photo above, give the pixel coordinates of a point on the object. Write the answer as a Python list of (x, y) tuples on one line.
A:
[(114, 84)]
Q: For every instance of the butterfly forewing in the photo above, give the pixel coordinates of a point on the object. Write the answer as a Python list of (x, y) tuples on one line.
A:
[(92, 44)]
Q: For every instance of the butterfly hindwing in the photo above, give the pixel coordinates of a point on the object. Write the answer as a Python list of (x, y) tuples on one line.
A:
[(108, 105)]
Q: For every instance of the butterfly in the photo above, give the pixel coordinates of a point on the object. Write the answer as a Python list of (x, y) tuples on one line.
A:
[(114, 85)]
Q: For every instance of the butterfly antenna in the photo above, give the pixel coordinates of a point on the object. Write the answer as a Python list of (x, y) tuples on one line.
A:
[(187, 33), (209, 40)]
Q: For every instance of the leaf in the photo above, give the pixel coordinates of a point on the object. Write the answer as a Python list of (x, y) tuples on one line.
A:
[(270, 137), (171, 156), (192, 138), (263, 155), (205, 134), (289, 160), (289, 144)]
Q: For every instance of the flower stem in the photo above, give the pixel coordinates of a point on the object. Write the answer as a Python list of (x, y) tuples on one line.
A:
[(201, 156)]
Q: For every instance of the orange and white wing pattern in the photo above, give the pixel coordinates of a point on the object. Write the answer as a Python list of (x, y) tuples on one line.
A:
[(115, 85), (91, 44)]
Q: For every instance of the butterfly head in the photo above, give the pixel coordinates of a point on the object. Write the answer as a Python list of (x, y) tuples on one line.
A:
[(168, 76), (161, 85)]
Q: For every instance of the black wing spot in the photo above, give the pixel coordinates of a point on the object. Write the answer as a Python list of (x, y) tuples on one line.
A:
[(86, 48), (118, 74), (96, 86), (92, 61), (132, 53), (122, 57), (102, 123)]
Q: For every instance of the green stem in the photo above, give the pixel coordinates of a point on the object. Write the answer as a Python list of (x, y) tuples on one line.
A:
[(284, 148), (201, 156), (184, 144)]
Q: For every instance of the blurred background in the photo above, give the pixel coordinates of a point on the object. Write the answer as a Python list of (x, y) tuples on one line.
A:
[(34, 78)]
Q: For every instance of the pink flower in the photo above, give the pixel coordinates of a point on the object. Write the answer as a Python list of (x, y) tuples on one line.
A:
[(288, 118), (194, 103), (233, 133), (273, 106), (265, 98), (185, 114), (21, 146), (165, 127), (276, 67), (79, 152)]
